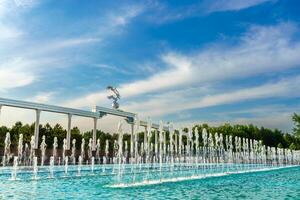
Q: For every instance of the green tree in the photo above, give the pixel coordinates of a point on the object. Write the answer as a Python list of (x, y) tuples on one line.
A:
[(296, 129), (292, 146), (3, 131), (75, 134)]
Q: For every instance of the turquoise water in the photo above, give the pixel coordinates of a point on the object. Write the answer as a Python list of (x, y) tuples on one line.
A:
[(276, 184)]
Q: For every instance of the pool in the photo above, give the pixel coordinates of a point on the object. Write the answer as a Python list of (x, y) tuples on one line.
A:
[(274, 184)]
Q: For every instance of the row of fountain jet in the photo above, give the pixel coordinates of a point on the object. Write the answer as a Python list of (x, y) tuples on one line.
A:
[(167, 150), (26, 153), (214, 148)]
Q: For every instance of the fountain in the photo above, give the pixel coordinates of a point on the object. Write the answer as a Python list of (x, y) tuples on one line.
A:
[(55, 145), (51, 167), (32, 152), (135, 135), (26, 154), (35, 168), (64, 149), (98, 147), (73, 155), (43, 147), (106, 158), (92, 164), (66, 160), (20, 148), (82, 149), (167, 155), (90, 149), (14, 169), (7, 155), (79, 166)]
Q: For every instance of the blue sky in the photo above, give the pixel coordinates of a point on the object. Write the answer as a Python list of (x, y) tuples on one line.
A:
[(219, 61)]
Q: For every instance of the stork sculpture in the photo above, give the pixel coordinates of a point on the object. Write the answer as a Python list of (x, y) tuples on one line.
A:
[(115, 96)]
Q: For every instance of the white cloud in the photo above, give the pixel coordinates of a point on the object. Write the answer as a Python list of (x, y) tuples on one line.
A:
[(174, 102), (7, 32), (68, 43), (22, 71), (26, 3), (12, 78), (233, 5), (14, 74), (262, 50), (160, 12), (179, 72), (42, 97), (125, 15), (25, 59)]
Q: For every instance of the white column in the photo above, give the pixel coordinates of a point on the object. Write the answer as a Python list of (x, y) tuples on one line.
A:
[(36, 129), (94, 134), (136, 143), (156, 141), (132, 140), (145, 139), (69, 132)]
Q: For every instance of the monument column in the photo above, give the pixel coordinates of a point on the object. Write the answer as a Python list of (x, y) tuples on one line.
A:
[(94, 134), (145, 139), (69, 132), (132, 140), (36, 129)]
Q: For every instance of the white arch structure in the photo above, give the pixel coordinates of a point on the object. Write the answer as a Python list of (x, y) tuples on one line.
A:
[(97, 113)]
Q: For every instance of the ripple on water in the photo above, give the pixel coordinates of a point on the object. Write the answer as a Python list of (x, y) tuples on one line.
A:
[(278, 184)]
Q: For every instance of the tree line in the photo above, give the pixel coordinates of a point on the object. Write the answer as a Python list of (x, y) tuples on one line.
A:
[(273, 138)]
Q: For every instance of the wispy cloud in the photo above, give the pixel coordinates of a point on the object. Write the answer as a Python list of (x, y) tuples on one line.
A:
[(174, 102), (232, 5), (42, 97), (112, 68), (261, 50), (161, 13), (68, 43), (13, 78), (8, 33), (7, 30), (27, 58), (14, 74), (125, 14)]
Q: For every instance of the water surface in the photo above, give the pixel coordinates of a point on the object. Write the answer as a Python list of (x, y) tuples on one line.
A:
[(276, 184)]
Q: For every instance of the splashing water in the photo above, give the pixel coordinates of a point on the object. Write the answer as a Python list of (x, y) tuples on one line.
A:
[(90, 149), (73, 156), (20, 148), (64, 149), (7, 155), (43, 147), (55, 145), (82, 149)]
